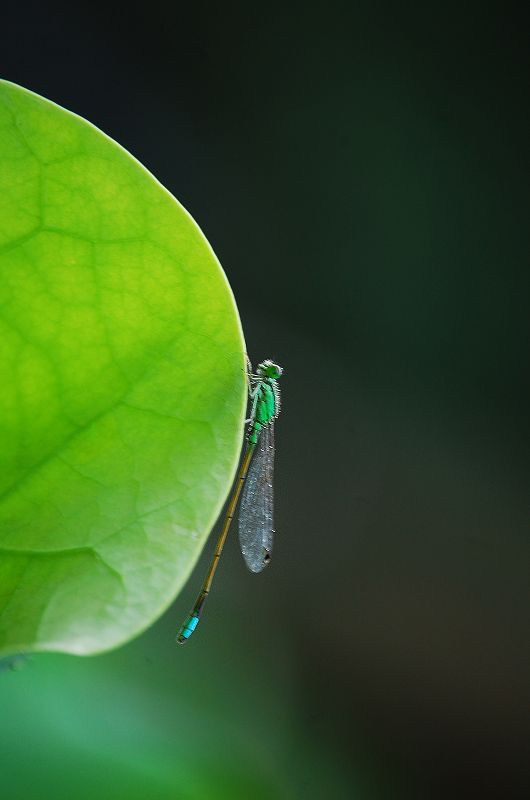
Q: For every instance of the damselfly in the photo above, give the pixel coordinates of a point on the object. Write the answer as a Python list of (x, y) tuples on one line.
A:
[(255, 475)]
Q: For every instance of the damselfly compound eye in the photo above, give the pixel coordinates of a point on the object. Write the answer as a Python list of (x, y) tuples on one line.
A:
[(269, 369)]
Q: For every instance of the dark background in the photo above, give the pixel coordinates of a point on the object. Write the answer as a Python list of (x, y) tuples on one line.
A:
[(361, 171)]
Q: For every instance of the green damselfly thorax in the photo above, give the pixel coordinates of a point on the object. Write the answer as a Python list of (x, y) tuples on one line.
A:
[(255, 480)]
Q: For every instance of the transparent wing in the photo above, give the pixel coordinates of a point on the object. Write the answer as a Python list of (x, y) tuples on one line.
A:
[(256, 512)]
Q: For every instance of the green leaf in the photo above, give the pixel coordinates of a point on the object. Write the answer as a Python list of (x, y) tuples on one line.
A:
[(122, 386)]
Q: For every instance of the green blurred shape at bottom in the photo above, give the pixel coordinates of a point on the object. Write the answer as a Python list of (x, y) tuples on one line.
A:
[(146, 722), (66, 736)]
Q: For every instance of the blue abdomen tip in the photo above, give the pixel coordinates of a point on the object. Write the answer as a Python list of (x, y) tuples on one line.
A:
[(187, 629)]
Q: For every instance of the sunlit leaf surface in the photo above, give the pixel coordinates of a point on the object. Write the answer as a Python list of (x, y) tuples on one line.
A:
[(121, 385)]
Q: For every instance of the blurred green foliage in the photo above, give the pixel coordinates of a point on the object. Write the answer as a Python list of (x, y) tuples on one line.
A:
[(152, 721)]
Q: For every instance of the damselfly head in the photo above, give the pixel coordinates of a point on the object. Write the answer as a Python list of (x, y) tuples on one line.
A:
[(268, 369)]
